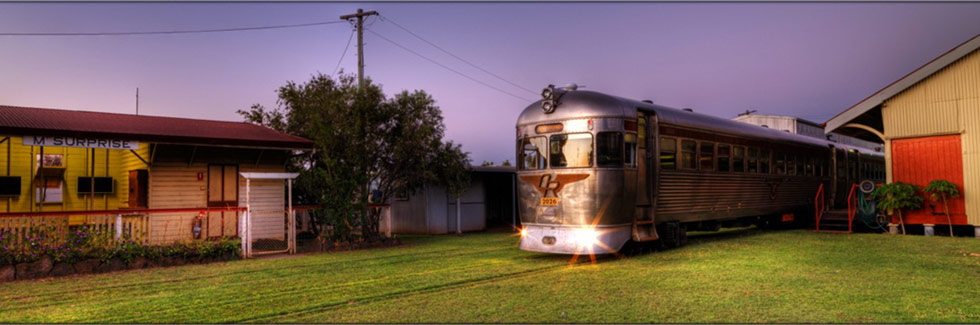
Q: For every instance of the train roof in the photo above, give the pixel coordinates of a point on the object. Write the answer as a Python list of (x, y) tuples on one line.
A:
[(583, 103)]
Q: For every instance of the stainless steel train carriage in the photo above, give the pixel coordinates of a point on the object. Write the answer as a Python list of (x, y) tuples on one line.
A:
[(596, 171)]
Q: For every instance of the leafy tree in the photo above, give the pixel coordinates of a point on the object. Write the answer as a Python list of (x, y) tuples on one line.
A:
[(487, 163), (365, 145), (506, 163), (897, 196), (943, 190)]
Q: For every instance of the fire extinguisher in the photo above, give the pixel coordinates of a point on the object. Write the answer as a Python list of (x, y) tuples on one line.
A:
[(196, 226)]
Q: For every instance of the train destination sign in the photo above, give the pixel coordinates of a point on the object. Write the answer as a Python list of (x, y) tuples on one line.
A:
[(77, 142)]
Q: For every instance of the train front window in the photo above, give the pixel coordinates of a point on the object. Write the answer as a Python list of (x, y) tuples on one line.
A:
[(532, 153), (630, 139), (609, 149), (571, 150)]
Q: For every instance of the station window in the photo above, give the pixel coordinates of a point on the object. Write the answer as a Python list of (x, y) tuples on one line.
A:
[(630, 155), (764, 161), (532, 153), (668, 153), (738, 159), (49, 191), (724, 157), (753, 160), (571, 150), (689, 152), (706, 160), (609, 149), (222, 185)]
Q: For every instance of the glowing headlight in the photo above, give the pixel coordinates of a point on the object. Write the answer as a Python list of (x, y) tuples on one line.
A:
[(585, 237), (523, 232)]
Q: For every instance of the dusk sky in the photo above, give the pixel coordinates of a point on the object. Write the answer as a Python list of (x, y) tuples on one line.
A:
[(810, 60)]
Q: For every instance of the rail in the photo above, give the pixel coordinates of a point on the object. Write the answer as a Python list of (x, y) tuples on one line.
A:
[(819, 207), (851, 207)]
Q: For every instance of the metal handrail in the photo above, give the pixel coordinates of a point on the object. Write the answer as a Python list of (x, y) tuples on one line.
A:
[(818, 207), (851, 208)]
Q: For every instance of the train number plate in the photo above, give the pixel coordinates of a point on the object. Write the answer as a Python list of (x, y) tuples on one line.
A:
[(549, 201)]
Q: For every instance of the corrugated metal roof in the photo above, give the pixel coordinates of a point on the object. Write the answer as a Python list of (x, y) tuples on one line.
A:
[(905, 82), (27, 121)]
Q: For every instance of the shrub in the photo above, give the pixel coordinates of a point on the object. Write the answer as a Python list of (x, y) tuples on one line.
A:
[(897, 196)]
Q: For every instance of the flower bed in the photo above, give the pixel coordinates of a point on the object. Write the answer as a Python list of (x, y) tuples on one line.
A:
[(41, 252)]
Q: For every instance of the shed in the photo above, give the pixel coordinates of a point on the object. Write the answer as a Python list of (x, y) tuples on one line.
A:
[(175, 179), (487, 203), (929, 122)]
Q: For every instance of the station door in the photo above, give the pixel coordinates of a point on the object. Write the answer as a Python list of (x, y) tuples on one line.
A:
[(921, 160)]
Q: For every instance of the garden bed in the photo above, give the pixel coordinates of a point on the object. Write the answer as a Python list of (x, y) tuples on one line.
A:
[(47, 267)]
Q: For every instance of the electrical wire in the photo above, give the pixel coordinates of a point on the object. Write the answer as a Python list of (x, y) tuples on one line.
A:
[(176, 31), (388, 19), (448, 68), (346, 47)]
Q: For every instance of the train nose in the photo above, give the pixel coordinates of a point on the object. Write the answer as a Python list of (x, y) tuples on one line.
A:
[(574, 240)]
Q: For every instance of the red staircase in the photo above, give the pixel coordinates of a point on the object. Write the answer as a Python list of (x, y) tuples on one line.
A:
[(837, 220)]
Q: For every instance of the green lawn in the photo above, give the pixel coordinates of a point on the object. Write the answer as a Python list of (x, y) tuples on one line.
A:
[(734, 276)]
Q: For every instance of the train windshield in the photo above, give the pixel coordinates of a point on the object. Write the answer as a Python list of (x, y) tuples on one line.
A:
[(532, 153), (571, 150), (609, 147)]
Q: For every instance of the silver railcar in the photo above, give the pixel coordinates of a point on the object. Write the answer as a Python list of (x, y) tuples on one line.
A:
[(596, 171)]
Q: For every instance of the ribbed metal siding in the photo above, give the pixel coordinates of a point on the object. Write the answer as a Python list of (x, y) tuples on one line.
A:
[(692, 196), (948, 102)]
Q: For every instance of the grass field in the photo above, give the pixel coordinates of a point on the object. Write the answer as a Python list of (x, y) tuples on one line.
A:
[(740, 275)]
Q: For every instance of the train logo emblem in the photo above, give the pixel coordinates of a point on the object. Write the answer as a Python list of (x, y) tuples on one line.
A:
[(550, 185)]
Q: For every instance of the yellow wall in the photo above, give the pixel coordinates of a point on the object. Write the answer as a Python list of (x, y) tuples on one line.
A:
[(78, 162), (947, 102)]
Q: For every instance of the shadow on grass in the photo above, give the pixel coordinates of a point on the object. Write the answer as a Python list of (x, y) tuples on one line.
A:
[(695, 238)]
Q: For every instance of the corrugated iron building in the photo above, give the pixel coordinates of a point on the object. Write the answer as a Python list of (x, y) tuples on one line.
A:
[(929, 121), (488, 202)]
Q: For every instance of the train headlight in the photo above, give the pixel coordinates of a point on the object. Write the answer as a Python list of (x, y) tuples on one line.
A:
[(523, 233), (585, 237), (547, 92)]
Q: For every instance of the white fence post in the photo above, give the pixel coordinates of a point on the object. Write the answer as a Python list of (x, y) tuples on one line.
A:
[(119, 226)]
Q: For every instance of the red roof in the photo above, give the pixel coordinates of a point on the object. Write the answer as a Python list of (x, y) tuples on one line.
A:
[(26, 121)]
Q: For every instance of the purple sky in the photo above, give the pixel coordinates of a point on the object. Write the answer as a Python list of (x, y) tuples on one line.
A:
[(811, 60)]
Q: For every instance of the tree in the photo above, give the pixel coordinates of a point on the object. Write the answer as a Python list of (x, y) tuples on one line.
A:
[(365, 145), (943, 190), (487, 163), (897, 196), (506, 163)]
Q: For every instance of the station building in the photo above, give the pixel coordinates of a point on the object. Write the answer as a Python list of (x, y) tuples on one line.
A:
[(929, 122), (170, 179)]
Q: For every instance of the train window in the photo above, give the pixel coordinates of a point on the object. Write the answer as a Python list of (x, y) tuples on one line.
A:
[(791, 165), (532, 155), (630, 150), (571, 150), (706, 160), (668, 153), (738, 159), (779, 166), (689, 152), (753, 160), (764, 161), (724, 157), (809, 166), (609, 149)]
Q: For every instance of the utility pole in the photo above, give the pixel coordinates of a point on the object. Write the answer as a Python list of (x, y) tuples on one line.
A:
[(360, 41)]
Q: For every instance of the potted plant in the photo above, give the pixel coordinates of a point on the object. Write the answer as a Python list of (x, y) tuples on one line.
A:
[(897, 196), (943, 190)]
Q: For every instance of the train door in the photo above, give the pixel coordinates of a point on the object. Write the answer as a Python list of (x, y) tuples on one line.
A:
[(644, 167)]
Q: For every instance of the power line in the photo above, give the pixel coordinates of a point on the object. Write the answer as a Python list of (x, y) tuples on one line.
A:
[(175, 31), (448, 68), (346, 47), (387, 19)]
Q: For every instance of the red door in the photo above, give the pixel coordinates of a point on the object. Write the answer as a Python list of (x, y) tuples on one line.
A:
[(921, 160)]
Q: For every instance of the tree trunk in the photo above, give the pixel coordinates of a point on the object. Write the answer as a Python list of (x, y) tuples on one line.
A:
[(901, 221), (948, 218)]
